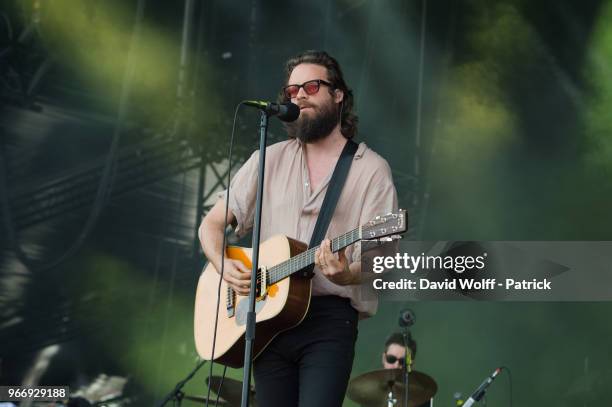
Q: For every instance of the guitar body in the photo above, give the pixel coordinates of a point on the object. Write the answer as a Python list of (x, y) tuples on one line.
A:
[(282, 307)]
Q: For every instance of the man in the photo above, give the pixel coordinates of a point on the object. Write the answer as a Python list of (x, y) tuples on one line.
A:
[(394, 355), (310, 364)]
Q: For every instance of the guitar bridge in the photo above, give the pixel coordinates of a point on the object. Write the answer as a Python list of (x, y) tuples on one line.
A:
[(261, 290), (262, 286), (230, 302)]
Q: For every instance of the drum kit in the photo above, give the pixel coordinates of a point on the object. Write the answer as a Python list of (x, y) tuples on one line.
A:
[(378, 388)]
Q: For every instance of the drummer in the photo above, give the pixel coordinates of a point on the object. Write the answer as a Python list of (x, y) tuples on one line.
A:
[(394, 355)]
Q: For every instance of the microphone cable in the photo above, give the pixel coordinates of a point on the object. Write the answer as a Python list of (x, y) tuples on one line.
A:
[(229, 177), (504, 368), (220, 385)]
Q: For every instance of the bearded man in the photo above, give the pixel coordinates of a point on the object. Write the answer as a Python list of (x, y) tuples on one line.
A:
[(310, 364)]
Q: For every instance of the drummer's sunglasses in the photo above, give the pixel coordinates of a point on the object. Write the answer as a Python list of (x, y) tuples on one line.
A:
[(392, 359)]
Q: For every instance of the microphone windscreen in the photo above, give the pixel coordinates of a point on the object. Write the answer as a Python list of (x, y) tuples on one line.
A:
[(289, 112)]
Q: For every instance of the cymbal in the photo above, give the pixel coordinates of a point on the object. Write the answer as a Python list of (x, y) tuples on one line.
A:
[(202, 399), (231, 391), (372, 388)]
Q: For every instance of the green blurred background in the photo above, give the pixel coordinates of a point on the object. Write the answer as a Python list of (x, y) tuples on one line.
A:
[(116, 115)]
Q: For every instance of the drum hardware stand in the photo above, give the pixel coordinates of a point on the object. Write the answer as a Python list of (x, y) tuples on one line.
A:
[(407, 364), (177, 393), (406, 320), (391, 401)]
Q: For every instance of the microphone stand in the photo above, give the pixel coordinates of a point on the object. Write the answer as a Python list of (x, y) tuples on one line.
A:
[(407, 364), (250, 320)]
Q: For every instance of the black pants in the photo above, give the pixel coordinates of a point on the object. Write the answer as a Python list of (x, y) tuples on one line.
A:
[(310, 365)]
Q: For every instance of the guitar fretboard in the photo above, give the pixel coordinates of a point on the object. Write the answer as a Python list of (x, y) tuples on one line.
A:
[(306, 258)]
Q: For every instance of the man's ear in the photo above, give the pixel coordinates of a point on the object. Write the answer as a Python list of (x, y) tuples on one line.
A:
[(338, 95)]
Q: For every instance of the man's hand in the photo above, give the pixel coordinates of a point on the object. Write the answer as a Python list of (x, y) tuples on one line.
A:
[(235, 273), (237, 276), (336, 269)]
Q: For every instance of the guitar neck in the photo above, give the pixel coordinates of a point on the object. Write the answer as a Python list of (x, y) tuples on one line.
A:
[(306, 258)]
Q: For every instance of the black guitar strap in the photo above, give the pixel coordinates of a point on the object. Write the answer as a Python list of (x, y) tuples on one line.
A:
[(334, 189)]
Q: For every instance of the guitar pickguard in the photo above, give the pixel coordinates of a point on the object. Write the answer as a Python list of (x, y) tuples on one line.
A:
[(243, 308)]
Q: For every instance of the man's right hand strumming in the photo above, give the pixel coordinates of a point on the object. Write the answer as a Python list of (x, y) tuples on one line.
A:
[(236, 275)]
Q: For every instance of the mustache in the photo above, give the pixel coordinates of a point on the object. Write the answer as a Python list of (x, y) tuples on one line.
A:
[(304, 105)]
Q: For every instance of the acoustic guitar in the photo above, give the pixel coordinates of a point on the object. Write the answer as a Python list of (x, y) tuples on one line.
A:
[(283, 291)]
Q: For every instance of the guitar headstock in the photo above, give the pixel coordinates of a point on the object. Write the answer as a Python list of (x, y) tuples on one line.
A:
[(391, 225)]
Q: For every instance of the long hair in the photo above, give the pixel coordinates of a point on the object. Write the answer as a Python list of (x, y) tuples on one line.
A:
[(348, 119)]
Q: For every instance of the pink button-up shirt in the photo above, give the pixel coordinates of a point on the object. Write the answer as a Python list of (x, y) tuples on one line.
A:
[(291, 208)]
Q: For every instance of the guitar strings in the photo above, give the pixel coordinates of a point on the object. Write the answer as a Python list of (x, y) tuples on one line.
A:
[(298, 262)]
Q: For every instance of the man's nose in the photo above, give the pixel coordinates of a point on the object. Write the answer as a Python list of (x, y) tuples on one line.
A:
[(301, 93)]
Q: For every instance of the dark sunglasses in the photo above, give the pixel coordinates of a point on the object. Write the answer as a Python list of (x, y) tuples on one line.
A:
[(392, 359), (310, 87)]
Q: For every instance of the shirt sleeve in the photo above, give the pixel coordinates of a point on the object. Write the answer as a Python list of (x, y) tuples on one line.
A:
[(380, 199), (242, 195)]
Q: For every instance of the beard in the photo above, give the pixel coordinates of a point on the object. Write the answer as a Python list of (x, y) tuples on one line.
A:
[(309, 128)]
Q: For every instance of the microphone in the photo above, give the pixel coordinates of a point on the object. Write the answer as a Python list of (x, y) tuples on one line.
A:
[(480, 391), (286, 112), (406, 318)]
